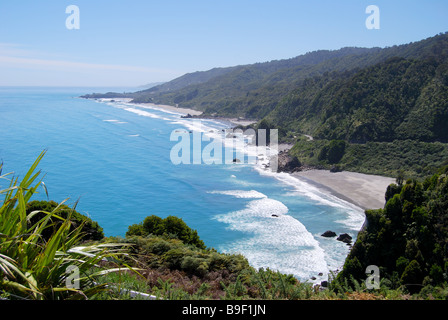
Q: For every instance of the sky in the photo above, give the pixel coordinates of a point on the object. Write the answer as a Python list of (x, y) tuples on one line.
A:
[(136, 42)]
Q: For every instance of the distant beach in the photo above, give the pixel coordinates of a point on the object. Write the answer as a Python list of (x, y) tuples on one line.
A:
[(183, 111), (173, 109), (363, 190)]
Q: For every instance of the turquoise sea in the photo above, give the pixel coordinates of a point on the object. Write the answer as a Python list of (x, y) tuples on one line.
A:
[(115, 159)]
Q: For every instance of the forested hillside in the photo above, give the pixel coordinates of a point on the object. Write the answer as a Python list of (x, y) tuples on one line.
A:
[(397, 99), (255, 90), (353, 94), (407, 239)]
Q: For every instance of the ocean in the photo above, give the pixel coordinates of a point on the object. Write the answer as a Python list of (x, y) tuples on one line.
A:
[(114, 159)]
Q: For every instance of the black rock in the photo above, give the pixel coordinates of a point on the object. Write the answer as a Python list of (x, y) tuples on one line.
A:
[(324, 284), (336, 168), (345, 238), (328, 234)]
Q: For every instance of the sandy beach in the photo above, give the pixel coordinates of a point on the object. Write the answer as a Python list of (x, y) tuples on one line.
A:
[(173, 109), (363, 190), (183, 111)]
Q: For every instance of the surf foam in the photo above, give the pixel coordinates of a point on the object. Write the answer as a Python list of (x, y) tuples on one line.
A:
[(274, 239)]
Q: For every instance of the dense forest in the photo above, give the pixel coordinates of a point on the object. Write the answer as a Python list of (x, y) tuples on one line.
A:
[(408, 239), (397, 99), (410, 158), (254, 91)]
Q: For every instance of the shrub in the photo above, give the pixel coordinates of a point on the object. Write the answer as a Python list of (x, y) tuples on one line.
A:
[(153, 225), (412, 274), (170, 226), (90, 228), (336, 151)]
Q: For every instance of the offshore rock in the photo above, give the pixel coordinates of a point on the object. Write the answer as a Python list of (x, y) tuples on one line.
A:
[(345, 238), (328, 234)]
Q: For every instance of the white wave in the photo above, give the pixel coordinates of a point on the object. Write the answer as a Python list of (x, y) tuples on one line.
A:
[(277, 240), (230, 140), (150, 107), (115, 121), (355, 215), (143, 113), (252, 194), (125, 104)]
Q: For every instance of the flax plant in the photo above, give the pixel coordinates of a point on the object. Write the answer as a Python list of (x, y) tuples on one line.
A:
[(34, 268)]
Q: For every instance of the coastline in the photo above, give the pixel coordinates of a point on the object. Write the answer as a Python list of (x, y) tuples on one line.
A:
[(321, 179), (163, 107), (183, 111), (363, 190)]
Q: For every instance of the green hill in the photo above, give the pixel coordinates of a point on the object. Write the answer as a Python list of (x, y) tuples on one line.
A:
[(255, 90), (407, 239), (396, 99)]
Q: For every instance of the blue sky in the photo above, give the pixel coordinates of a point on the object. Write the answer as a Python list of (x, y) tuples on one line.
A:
[(134, 42)]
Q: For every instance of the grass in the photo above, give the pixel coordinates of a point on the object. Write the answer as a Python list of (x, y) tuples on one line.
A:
[(33, 268)]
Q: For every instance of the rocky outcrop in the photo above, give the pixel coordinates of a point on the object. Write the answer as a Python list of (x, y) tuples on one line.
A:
[(344, 237), (329, 234), (287, 163)]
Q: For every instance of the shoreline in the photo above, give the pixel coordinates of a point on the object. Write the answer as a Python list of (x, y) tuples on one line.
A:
[(362, 190), (352, 188), (183, 111), (163, 107)]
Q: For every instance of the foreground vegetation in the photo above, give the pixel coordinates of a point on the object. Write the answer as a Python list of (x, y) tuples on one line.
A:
[(408, 239), (38, 267), (166, 259)]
